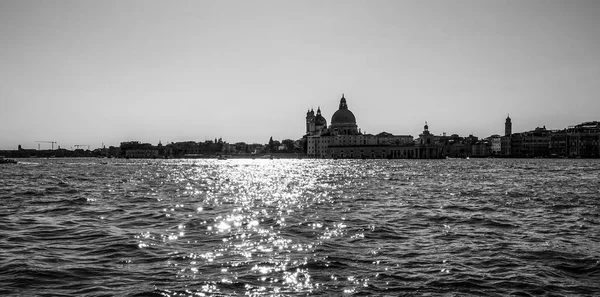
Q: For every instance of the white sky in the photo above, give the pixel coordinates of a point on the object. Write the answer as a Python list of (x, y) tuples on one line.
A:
[(93, 72)]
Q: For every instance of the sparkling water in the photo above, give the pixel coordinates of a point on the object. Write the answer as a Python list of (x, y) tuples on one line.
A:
[(91, 227)]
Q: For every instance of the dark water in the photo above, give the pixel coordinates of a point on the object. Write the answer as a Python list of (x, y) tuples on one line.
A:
[(94, 227)]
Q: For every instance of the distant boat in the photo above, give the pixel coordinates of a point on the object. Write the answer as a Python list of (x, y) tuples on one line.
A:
[(7, 161)]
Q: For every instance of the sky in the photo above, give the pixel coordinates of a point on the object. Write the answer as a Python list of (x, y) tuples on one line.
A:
[(103, 72)]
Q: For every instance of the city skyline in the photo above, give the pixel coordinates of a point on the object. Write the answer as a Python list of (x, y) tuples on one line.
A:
[(87, 73)]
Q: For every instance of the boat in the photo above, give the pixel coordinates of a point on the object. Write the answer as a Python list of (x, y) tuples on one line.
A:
[(7, 161), (221, 157)]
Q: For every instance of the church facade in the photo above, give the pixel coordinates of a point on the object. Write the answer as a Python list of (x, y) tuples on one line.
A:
[(343, 139)]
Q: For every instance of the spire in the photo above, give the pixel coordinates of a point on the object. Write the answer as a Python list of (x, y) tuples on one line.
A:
[(343, 104)]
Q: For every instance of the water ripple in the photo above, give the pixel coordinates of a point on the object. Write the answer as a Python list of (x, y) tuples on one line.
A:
[(89, 227)]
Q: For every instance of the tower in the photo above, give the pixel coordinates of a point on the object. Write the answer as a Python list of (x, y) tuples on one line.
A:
[(508, 126), (310, 121)]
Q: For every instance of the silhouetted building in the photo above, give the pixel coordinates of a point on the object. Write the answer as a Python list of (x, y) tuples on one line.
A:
[(559, 143), (508, 126), (583, 140), (495, 142), (135, 149), (428, 146), (505, 145), (531, 144), (315, 123), (481, 149), (343, 139)]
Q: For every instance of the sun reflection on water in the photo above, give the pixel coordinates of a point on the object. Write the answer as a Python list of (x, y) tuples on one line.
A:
[(250, 220)]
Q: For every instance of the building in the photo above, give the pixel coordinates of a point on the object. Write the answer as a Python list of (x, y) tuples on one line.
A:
[(426, 147), (581, 140), (531, 144), (505, 145), (135, 149), (559, 143), (584, 140), (481, 149), (315, 123), (495, 145), (391, 139), (455, 146), (343, 139)]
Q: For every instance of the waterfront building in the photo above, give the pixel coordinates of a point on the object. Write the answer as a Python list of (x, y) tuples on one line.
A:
[(453, 146), (343, 139), (137, 150), (531, 144), (481, 149), (428, 145), (559, 143), (391, 139), (192, 149), (495, 145), (581, 140), (185, 149), (315, 123), (505, 144), (149, 153)]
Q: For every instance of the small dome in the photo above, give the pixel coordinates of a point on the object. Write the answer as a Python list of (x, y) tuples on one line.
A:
[(320, 120)]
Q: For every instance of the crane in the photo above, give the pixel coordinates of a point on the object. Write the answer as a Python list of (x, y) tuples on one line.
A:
[(77, 146), (53, 142)]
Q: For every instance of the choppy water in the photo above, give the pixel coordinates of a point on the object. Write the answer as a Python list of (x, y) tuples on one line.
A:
[(93, 227)]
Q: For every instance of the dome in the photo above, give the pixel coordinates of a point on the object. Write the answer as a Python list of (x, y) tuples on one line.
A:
[(343, 115), (320, 120)]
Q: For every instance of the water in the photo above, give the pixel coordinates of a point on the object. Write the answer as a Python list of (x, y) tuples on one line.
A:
[(100, 227)]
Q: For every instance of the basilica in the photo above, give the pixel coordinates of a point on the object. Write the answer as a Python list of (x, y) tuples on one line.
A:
[(343, 139)]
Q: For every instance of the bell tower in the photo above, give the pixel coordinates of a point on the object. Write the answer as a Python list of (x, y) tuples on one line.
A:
[(508, 126), (310, 121)]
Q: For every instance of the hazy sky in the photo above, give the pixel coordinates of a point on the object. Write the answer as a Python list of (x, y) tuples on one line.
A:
[(93, 72)]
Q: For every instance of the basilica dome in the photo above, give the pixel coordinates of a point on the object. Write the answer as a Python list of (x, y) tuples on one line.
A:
[(320, 120), (343, 115)]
